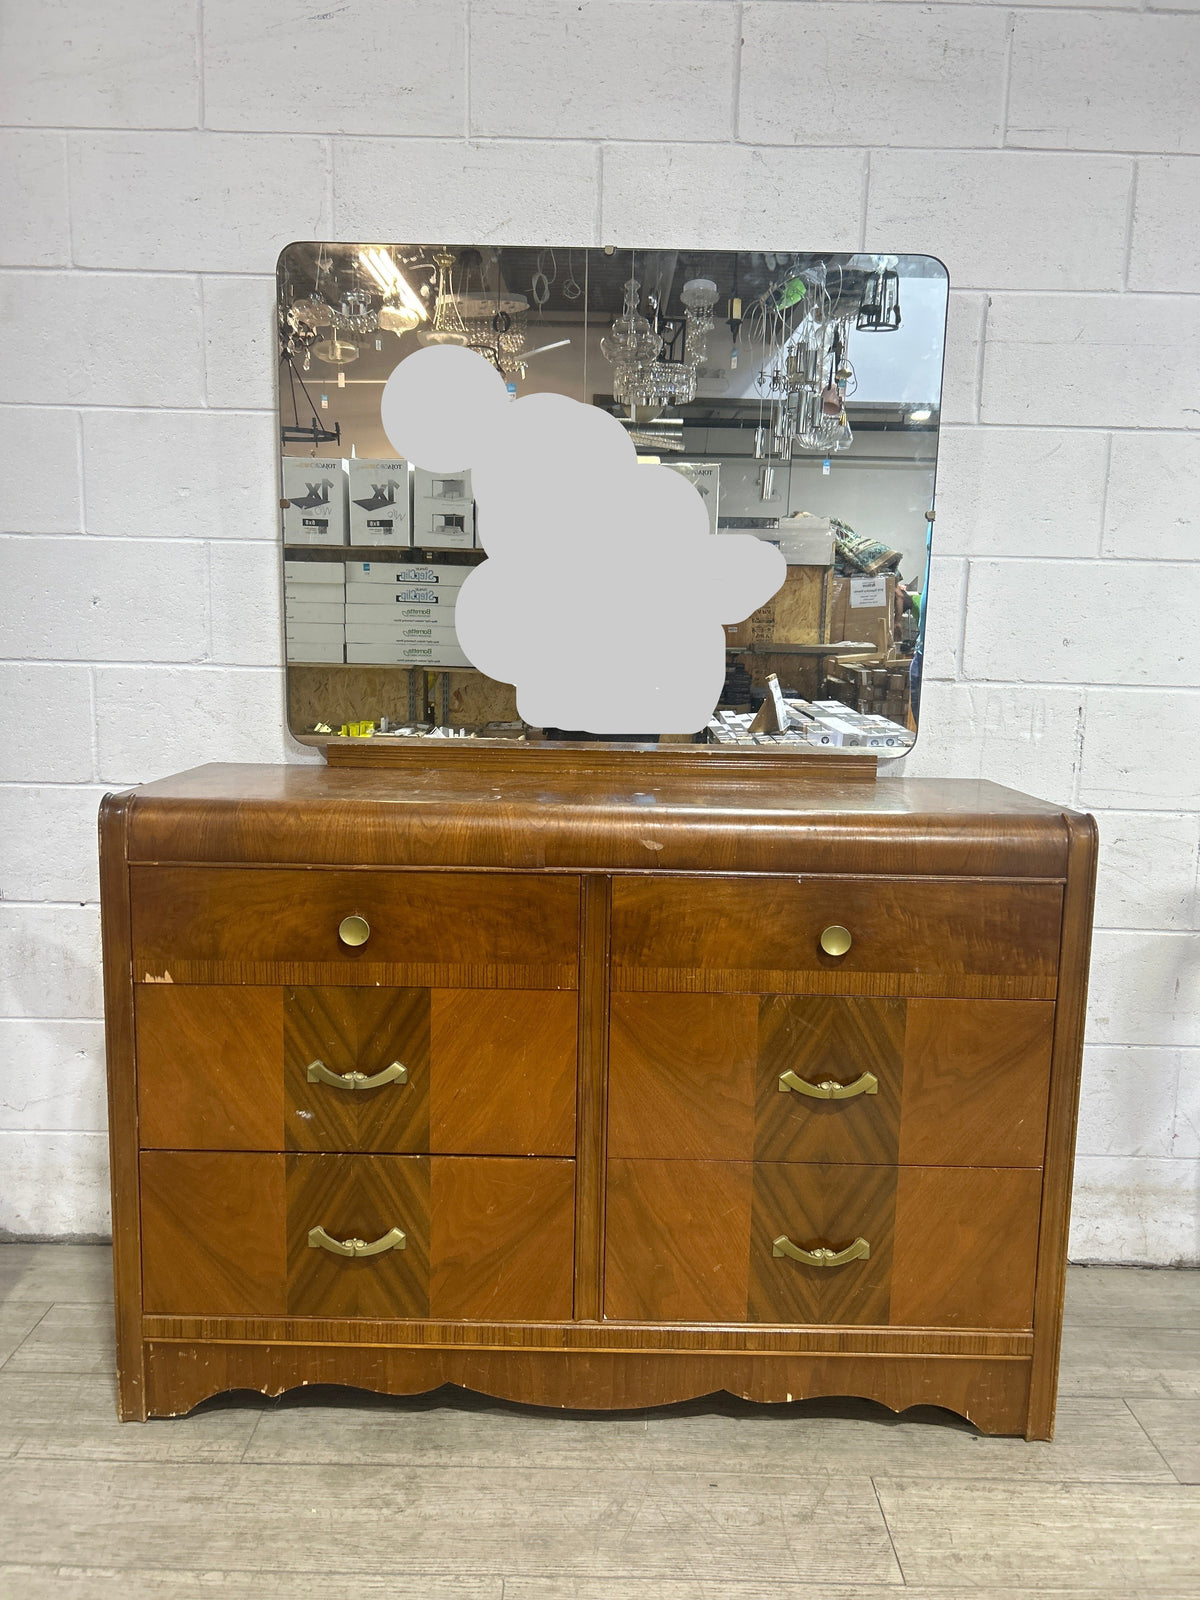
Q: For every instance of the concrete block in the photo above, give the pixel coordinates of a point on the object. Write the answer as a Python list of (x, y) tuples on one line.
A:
[(1119, 361), (106, 599), (74, 64), (55, 1185), (504, 192), (1185, 1131), (100, 339), (1113, 81), (48, 738), (44, 496), (965, 320), (50, 842), (240, 344), (195, 202), (33, 199), (1153, 506), (373, 67), (946, 596), (1164, 255), (52, 1075), (153, 721), (858, 74), (1127, 1101), (1019, 491), (1025, 738), (731, 197), (1004, 219), (1083, 622), (245, 583), (50, 962), (181, 474), (1148, 869), (1140, 750), (1136, 1211), (608, 69), (1145, 989)]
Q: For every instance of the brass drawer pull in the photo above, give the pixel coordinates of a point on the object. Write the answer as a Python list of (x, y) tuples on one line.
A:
[(829, 1089), (318, 1072), (393, 1239), (836, 940), (354, 931), (860, 1250)]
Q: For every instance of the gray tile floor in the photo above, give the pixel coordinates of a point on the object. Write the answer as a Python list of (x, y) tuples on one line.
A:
[(332, 1495)]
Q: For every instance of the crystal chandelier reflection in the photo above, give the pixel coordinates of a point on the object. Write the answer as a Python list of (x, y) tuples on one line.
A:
[(447, 324), (644, 380)]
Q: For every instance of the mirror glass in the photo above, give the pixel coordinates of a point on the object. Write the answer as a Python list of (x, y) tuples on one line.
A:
[(798, 393)]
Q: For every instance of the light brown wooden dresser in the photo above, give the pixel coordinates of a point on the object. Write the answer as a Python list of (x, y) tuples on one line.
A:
[(594, 1081)]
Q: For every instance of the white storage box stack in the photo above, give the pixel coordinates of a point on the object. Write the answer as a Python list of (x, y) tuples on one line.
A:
[(314, 500), (402, 613), (379, 503), (443, 511), (314, 610)]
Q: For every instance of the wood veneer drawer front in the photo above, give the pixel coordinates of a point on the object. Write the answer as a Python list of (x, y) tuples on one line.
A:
[(455, 1071), (934, 936), (471, 929), (696, 1241), (228, 1234), (829, 1078)]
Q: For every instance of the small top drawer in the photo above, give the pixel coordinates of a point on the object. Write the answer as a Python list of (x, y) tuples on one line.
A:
[(911, 936), (270, 925)]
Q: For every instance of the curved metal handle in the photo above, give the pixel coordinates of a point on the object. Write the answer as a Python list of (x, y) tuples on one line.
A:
[(860, 1250), (393, 1239), (829, 1088), (318, 1072)]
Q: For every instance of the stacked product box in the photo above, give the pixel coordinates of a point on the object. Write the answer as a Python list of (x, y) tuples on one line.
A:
[(315, 503), (379, 496), (443, 511), (402, 613), (314, 610)]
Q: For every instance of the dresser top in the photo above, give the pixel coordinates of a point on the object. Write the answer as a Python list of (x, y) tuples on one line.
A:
[(589, 820)]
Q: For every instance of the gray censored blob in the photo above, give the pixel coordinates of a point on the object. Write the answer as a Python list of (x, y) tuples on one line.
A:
[(603, 595)]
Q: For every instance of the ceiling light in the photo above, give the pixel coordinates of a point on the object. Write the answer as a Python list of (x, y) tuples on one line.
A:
[(921, 414), (393, 285)]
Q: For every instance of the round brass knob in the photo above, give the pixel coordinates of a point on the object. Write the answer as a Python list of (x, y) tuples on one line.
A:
[(354, 930), (835, 940)]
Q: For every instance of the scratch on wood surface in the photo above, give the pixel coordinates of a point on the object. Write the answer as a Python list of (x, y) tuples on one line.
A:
[(151, 978)]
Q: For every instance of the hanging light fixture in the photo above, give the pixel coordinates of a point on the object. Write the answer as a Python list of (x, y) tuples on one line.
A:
[(879, 311), (402, 309), (447, 325)]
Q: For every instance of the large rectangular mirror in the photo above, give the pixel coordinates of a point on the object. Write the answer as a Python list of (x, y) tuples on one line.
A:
[(799, 394)]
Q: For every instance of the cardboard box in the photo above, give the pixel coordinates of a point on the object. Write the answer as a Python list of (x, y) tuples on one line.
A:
[(316, 653), (443, 511), (401, 632), (314, 611), (864, 609), (317, 633), (439, 575), (379, 502), (387, 602), (805, 541), (315, 507), (314, 571), (406, 655)]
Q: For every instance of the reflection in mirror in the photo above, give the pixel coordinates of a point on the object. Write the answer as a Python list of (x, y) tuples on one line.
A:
[(799, 394)]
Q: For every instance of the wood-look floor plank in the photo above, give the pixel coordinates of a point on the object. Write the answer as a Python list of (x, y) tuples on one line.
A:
[(17, 1322), (1174, 1428), (73, 1417), (1126, 1362), (80, 1273), (69, 1338), (1132, 1297), (464, 1523), (1123, 1538), (566, 1588), (28, 1582)]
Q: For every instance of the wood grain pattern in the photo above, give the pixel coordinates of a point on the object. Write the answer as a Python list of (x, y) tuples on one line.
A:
[(966, 1246), (455, 921), (829, 1205), (123, 1133), (946, 929), (209, 1073), (681, 1076), (503, 1072), (976, 1077), (823, 1039), (502, 1234), (591, 1121), (677, 1240), (356, 1030), (213, 1233), (358, 1197)]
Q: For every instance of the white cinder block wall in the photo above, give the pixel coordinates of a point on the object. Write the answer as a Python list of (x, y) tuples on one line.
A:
[(158, 153)]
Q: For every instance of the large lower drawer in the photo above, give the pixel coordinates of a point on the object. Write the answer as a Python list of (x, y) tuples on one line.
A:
[(482, 929), (712, 1241), (456, 1237), (829, 1078), (914, 936)]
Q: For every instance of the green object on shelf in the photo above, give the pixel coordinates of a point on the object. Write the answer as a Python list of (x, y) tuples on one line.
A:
[(794, 291)]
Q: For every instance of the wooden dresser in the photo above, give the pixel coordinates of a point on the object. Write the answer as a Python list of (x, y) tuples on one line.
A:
[(593, 1084)]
